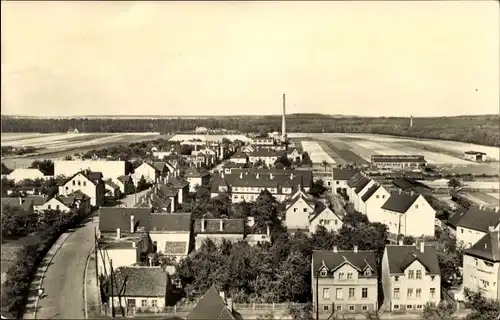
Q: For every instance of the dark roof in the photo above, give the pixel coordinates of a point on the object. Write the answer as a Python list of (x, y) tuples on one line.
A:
[(94, 175), (354, 180), (361, 184), (239, 155), (475, 152), (343, 173), (78, 195), (178, 183), (230, 226), (193, 172), (176, 222), (479, 219), (265, 178), (159, 166), (111, 184), (370, 192), (124, 178), (400, 202), (487, 248), (210, 306), (308, 201), (455, 218), (91, 176), (333, 260), (112, 218), (400, 257), (142, 281), (24, 202), (261, 152)]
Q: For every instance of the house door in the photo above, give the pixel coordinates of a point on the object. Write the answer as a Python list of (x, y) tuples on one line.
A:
[(130, 307)]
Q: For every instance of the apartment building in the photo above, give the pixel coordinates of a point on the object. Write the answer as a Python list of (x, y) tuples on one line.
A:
[(267, 156), (481, 267), (344, 281), (411, 277), (398, 162), (218, 229), (88, 182), (473, 224)]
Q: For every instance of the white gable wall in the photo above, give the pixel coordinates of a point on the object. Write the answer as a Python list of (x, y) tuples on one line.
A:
[(328, 219), (297, 215)]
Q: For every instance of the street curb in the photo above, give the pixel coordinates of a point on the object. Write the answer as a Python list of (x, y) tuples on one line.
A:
[(65, 237), (85, 307)]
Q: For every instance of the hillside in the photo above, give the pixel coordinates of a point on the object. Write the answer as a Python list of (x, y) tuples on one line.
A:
[(482, 130)]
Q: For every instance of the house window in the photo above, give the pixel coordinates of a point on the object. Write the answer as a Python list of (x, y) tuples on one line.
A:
[(294, 209), (433, 293), (144, 303), (461, 230), (84, 183), (410, 274), (323, 273), (377, 196), (339, 308), (476, 262), (409, 306), (79, 183), (368, 272), (396, 278), (326, 294), (49, 207), (409, 294), (416, 206), (351, 293), (396, 293), (418, 293), (337, 182), (339, 293), (335, 222), (349, 275), (419, 306), (432, 278), (351, 308), (74, 182), (364, 293), (364, 308), (304, 209), (396, 307), (341, 275), (326, 308), (67, 188), (383, 196), (419, 274), (485, 284), (57, 207), (154, 303)]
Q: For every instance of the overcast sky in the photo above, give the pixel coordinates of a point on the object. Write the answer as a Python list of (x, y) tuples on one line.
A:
[(388, 58)]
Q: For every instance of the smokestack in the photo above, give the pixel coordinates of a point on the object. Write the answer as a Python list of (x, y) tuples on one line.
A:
[(411, 121), (283, 120), (132, 224)]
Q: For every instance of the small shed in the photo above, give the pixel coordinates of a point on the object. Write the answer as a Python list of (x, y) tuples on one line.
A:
[(476, 156)]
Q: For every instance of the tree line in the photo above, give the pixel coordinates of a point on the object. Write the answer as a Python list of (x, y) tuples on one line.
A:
[(472, 129)]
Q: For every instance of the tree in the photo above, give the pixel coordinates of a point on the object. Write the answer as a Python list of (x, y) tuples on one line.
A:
[(142, 184), (186, 149), (481, 307), (5, 170), (45, 166), (324, 164), (454, 183), (442, 311), (317, 188), (306, 160), (283, 161)]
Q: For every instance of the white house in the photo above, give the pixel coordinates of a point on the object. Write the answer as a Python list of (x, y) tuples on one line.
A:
[(297, 213), (21, 174), (475, 223), (77, 200), (90, 183), (146, 170), (326, 217), (372, 201), (196, 178), (360, 189), (481, 266), (109, 169), (240, 158), (340, 178), (411, 277), (217, 229), (407, 213), (171, 234)]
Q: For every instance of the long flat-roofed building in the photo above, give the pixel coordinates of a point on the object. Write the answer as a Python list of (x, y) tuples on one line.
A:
[(398, 161)]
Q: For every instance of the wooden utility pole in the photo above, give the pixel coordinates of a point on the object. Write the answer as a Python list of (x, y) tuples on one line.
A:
[(112, 289), (96, 247)]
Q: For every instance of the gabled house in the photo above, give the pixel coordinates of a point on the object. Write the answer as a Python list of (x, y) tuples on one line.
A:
[(126, 184), (340, 178), (372, 200), (481, 266), (268, 157), (411, 277), (214, 306), (344, 281), (298, 212), (28, 203), (147, 170), (408, 214), (360, 188), (77, 200), (326, 217), (475, 223), (171, 234), (21, 174), (144, 288), (158, 203), (217, 229), (112, 190), (351, 185), (196, 178), (178, 183), (294, 155), (239, 157), (90, 183)]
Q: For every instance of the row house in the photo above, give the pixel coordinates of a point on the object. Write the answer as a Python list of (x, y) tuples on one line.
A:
[(481, 265), (75, 200), (166, 233), (88, 182), (304, 214), (268, 157), (474, 223), (263, 141), (232, 230), (411, 277), (340, 178), (199, 160), (246, 185), (344, 281), (196, 178)]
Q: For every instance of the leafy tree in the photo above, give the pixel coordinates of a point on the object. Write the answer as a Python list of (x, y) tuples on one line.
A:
[(45, 166), (454, 183), (283, 161), (317, 188), (186, 149), (450, 258), (5, 169), (142, 184), (481, 307), (324, 164), (442, 311), (301, 312), (306, 160)]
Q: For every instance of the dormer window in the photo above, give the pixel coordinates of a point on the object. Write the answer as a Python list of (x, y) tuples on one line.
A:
[(323, 273), (368, 272)]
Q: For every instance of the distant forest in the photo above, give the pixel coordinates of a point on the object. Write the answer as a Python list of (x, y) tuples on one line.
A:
[(482, 130)]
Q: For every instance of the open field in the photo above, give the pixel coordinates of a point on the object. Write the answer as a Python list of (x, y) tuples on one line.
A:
[(59, 145), (316, 152), (209, 137), (483, 198)]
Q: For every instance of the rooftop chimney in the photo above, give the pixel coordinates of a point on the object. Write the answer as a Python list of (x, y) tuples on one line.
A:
[(271, 176), (241, 175), (221, 225), (491, 228), (257, 175), (20, 200), (355, 249), (268, 231), (400, 190), (222, 295), (422, 247), (335, 249), (496, 209), (230, 304), (400, 242), (132, 224), (118, 234), (283, 120), (203, 225), (291, 176)]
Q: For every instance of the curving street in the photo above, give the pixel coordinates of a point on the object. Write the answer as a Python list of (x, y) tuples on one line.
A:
[(63, 282)]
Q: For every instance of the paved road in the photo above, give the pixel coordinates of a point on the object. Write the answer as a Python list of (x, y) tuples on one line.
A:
[(63, 282)]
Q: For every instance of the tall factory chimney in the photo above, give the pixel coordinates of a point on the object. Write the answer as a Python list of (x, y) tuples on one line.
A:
[(411, 121), (283, 120)]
